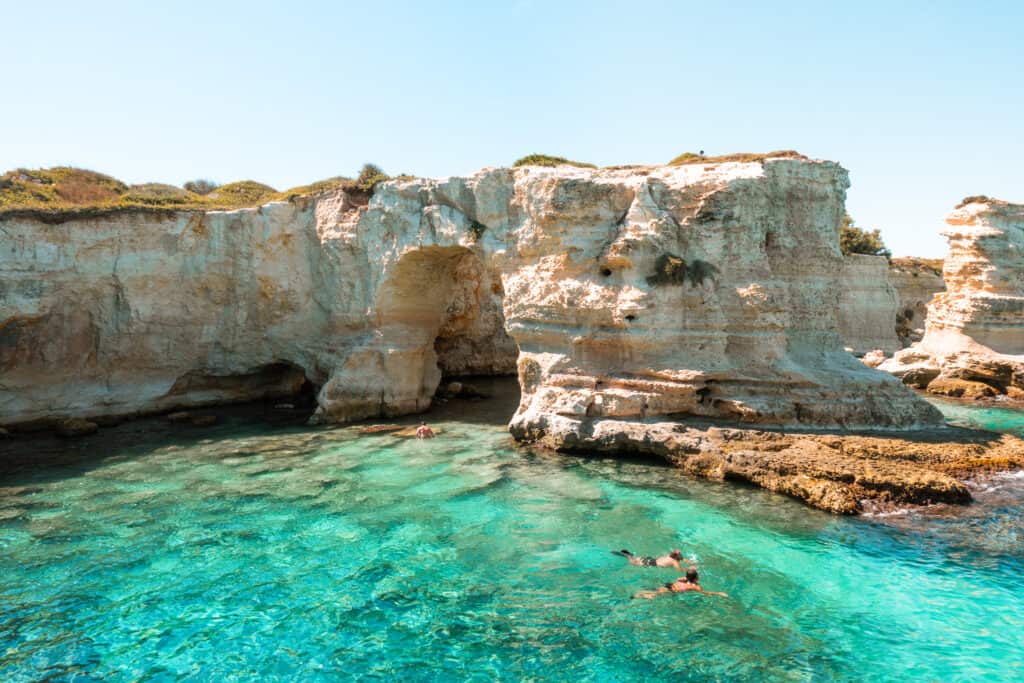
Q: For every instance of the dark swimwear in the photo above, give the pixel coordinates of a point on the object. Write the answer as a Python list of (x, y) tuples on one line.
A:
[(644, 561)]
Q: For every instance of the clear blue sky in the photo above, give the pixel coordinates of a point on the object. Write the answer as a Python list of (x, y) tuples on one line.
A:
[(922, 101)]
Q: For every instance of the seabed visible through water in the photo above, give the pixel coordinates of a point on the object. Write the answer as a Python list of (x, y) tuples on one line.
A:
[(245, 551)]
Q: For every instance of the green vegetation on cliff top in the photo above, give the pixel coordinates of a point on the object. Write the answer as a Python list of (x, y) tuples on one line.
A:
[(857, 240), (916, 264), (743, 157), (63, 191), (548, 160)]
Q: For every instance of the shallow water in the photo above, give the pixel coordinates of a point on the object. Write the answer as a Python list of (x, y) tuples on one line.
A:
[(300, 554)]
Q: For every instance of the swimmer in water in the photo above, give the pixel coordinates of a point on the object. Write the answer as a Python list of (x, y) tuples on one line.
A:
[(424, 432), (670, 560), (684, 584)]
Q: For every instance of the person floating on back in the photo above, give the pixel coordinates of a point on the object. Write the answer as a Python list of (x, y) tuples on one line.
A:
[(424, 432), (684, 584), (670, 560)]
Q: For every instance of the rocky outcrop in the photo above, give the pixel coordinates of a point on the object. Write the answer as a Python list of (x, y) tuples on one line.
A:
[(916, 281), (700, 290), (867, 305), (625, 299), (844, 474), (975, 329), (139, 312), (708, 290)]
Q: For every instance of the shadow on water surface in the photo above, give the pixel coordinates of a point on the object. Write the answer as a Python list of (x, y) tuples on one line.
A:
[(38, 457)]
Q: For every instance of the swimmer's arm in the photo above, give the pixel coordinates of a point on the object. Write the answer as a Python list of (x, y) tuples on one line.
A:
[(721, 595)]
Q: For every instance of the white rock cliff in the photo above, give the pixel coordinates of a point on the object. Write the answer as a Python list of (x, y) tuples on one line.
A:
[(704, 290)]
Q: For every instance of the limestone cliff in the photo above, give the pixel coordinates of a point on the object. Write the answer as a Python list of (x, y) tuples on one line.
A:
[(709, 290), (867, 305), (974, 339), (916, 281), (699, 290)]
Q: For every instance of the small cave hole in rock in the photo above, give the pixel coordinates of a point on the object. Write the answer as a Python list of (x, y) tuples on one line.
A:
[(630, 317), (280, 389), (607, 272)]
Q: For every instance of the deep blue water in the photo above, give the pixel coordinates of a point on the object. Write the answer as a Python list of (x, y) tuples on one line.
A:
[(243, 552)]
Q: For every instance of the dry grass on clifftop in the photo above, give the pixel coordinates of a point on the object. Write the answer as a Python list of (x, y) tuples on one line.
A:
[(548, 160), (63, 192), (741, 157)]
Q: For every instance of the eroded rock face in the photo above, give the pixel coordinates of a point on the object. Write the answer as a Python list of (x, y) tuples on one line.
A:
[(144, 311), (701, 291), (975, 329), (916, 281), (867, 305), (704, 290)]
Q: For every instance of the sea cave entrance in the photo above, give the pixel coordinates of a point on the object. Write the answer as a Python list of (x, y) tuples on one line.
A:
[(440, 313)]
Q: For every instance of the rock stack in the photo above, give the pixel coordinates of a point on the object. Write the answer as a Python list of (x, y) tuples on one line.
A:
[(973, 345)]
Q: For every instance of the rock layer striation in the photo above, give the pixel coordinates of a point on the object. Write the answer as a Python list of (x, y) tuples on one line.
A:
[(973, 344), (868, 305)]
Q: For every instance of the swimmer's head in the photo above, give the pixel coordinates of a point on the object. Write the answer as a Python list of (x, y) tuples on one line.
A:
[(691, 574), (676, 555)]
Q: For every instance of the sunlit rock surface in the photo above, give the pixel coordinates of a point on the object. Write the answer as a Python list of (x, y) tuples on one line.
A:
[(706, 290), (975, 329)]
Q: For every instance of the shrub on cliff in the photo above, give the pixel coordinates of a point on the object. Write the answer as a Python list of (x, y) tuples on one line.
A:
[(670, 269), (61, 186), (974, 199), (548, 160), (370, 175), (201, 186), (156, 194), (243, 193), (854, 240), (699, 271)]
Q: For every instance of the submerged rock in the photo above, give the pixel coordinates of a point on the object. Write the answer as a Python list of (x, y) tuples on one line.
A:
[(873, 358), (838, 472), (76, 427), (379, 429)]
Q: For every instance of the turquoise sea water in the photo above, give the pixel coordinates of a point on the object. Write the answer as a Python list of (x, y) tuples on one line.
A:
[(244, 552)]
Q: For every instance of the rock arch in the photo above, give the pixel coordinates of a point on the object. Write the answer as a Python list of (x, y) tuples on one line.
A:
[(436, 312)]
